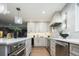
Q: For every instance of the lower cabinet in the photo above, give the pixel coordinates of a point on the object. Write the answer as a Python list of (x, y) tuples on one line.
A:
[(52, 47), (74, 50), (28, 47), (36, 42), (40, 42)]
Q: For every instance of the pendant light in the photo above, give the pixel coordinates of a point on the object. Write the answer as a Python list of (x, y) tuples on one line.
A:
[(3, 9), (18, 19)]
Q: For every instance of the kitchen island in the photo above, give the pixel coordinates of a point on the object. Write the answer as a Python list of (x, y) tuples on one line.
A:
[(14, 46)]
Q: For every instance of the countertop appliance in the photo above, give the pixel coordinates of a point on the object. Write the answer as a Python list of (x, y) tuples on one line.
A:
[(1, 34)]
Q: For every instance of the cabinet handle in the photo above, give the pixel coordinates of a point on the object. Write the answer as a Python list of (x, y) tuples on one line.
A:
[(20, 51)]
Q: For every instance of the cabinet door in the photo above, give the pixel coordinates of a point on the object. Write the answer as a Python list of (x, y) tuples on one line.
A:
[(77, 17), (74, 50), (40, 42), (52, 47), (33, 27), (43, 42), (28, 27), (37, 27), (36, 42), (44, 27), (28, 47)]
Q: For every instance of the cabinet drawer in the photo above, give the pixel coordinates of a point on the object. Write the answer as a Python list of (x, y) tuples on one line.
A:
[(74, 49), (52, 52), (74, 54), (52, 45)]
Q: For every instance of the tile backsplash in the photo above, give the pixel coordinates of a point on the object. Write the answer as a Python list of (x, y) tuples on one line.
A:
[(46, 34)]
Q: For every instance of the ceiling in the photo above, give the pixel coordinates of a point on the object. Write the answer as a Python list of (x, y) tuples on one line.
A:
[(31, 11)]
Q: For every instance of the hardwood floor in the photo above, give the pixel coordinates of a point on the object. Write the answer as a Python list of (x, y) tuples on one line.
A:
[(39, 52)]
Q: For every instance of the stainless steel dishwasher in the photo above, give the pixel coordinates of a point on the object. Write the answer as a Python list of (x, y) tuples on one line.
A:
[(62, 48)]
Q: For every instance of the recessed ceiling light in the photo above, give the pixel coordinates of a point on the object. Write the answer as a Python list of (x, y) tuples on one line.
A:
[(43, 12)]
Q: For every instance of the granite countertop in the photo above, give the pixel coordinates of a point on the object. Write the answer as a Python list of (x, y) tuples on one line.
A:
[(6, 41), (74, 41)]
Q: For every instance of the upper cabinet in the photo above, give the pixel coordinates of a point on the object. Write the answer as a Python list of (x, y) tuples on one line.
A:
[(69, 10), (77, 17), (43, 27), (67, 18), (38, 27), (30, 27)]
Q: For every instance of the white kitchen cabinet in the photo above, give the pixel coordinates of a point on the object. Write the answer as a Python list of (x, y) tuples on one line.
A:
[(43, 41), (31, 27), (70, 16), (74, 50), (39, 41), (36, 42), (69, 10), (28, 47), (52, 47), (41, 27), (77, 17), (37, 27)]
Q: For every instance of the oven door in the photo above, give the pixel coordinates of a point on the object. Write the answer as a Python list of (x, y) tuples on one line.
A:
[(62, 48), (18, 52), (17, 49), (12, 48)]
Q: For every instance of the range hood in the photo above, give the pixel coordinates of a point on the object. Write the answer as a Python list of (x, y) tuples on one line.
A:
[(56, 20), (56, 24)]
